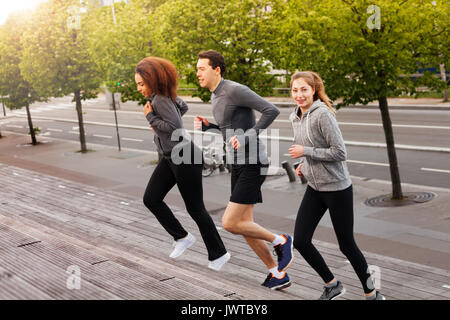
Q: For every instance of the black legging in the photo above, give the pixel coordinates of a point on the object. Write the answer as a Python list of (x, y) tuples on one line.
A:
[(340, 206), (188, 178)]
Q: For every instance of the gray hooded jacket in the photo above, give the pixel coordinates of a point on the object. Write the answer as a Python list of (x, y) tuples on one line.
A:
[(165, 119), (324, 151)]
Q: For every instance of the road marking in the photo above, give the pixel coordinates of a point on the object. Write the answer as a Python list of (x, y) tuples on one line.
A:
[(357, 161), (13, 126), (124, 203), (368, 124), (90, 194), (280, 138), (446, 286), (61, 186), (370, 163), (435, 170), (101, 136), (74, 132), (393, 125), (55, 130), (131, 139)]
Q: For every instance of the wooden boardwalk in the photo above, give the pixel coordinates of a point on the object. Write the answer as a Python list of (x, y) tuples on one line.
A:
[(51, 226)]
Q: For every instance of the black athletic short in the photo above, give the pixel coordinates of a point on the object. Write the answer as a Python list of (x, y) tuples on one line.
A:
[(246, 182)]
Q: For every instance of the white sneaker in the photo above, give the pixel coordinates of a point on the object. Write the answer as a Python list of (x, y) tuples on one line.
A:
[(219, 262), (181, 245)]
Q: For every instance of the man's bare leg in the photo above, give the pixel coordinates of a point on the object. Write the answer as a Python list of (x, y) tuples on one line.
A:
[(238, 219), (259, 246)]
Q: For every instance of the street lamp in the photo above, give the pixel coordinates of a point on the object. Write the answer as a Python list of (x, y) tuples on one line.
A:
[(74, 22), (111, 3)]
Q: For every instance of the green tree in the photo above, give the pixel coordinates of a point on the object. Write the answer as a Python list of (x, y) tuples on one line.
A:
[(56, 60), (18, 91), (239, 29), (117, 48), (362, 49)]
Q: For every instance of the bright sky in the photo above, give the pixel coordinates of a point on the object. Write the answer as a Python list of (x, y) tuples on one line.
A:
[(8, 6)]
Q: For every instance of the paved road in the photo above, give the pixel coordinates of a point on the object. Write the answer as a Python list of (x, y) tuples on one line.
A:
[(361, 128)]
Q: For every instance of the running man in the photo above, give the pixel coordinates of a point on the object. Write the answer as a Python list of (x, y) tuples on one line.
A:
[(233, 106)]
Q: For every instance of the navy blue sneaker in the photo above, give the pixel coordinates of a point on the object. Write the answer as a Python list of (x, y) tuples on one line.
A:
[(274, 283), (285, 253)]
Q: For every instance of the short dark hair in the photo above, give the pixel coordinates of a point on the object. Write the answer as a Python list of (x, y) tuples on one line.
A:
[(216, 59)]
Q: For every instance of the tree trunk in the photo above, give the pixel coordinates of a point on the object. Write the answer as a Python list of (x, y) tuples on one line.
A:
[(389, 135), (30, 125), (444, 78), (80, 121)]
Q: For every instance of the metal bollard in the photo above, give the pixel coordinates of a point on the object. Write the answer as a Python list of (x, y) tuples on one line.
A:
[(291, 173)]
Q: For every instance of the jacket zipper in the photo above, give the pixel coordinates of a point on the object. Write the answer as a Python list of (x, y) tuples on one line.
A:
[(307, 134)]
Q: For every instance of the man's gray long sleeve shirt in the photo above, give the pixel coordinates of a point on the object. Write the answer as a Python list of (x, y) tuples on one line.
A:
[(233, 109)]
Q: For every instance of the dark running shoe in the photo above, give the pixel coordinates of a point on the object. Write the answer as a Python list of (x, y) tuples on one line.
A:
[(274, 283), (285, 253), (332, 293)]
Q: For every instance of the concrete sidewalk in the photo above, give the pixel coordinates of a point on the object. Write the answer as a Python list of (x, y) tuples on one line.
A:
[(418, 233)]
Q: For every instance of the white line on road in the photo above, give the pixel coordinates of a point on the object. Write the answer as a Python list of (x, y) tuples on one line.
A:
[(280, 138), (357, 161), (393, 125), (131, 139), (74, 132), (346, 123), (55, 130), (102, 136), (13, 126), (370, 163), (435, 170), (368, 124)]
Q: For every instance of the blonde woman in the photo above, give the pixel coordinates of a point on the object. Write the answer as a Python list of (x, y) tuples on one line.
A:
[(319, 141)]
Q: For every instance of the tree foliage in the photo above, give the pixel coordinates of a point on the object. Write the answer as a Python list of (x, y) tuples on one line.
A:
[(238, 29)]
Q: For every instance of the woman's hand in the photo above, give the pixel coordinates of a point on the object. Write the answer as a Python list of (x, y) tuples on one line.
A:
[(148, 108), (296, 151), (299, 173), (198, 122), (234, 142)]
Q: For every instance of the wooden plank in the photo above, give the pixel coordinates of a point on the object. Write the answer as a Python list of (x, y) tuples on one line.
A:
[(45, 276), (14, 288), (13, 238), (133, 230), (406, 276), (167, 288)]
